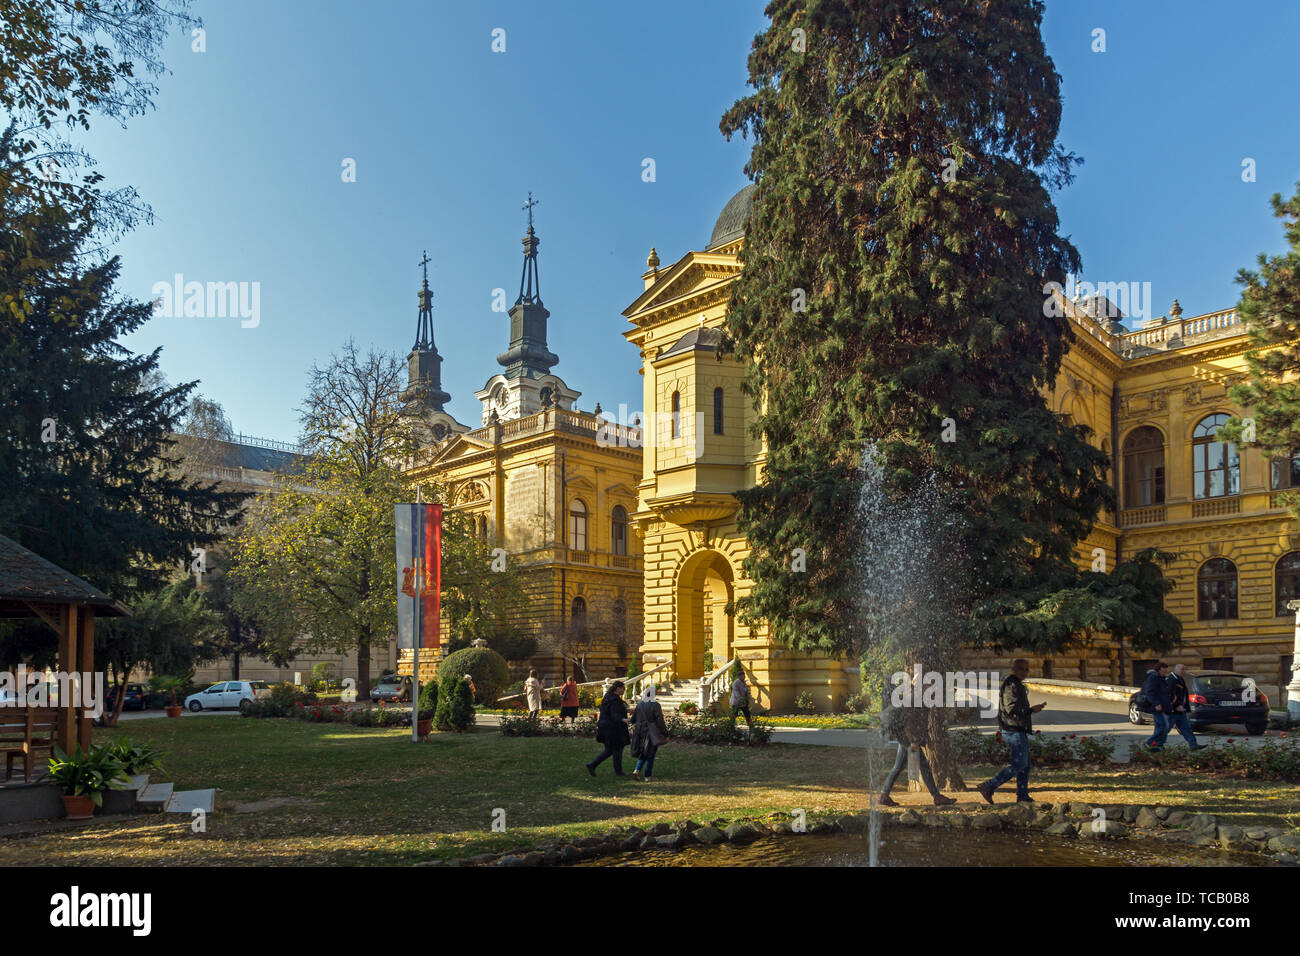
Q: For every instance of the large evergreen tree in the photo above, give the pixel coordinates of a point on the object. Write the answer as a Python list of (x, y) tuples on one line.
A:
[(903, 154), (88, 474), (1270, 308)]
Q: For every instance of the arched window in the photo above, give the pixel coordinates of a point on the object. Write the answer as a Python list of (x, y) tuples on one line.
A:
[(578, 525), (1216, 590), (480, 525), (1144, 468), (578, 615), (1288, 582), (677, 415), (618, 529), (1215, 465), (717, 411)]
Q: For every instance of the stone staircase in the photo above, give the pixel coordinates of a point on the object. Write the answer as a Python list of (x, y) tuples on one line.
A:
[(682, 691)]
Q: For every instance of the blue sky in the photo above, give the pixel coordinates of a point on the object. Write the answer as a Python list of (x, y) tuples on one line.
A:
[(242, 162)]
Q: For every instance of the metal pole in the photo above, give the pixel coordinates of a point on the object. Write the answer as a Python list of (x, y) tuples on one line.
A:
[(417, 638)]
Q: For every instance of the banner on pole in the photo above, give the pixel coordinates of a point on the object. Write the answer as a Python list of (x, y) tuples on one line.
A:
[(419, 574)]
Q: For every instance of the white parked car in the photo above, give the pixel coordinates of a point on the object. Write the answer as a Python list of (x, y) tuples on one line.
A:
[(228, 694)]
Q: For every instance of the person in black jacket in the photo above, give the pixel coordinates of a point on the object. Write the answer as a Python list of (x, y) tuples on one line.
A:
[(1178, 708), (611, 729), (1015, 719), (1155, 690)]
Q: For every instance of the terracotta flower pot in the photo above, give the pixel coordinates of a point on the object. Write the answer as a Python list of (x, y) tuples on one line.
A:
[(172, 711), (78, 808)]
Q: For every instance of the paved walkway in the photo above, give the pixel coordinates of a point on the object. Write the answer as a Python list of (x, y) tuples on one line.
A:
[(1063, 715)]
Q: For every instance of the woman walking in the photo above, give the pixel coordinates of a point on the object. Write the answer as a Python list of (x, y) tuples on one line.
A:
[(569, 700), (533, 691), (649, 733), (611, 729)]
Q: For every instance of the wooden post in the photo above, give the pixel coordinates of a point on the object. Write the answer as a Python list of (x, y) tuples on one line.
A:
[(67, 662), (86, 668)]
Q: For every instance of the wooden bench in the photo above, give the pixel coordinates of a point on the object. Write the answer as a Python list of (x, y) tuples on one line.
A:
[(23, 732)]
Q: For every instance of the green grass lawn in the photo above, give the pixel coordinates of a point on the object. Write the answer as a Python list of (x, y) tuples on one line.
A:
[(292, 792)]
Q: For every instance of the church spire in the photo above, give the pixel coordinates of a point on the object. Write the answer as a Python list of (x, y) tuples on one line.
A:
[(528, 356), (424, 324), (424, 364), (530, 283)]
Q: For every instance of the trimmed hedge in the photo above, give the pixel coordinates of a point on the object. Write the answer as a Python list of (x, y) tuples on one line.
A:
[(489, 670)]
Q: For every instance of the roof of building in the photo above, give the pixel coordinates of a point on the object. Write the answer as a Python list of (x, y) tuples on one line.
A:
[(731, 221), (27, 578), (700, 338)]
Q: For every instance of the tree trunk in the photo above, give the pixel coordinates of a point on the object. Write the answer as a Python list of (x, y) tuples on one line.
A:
[(234, 666), (363, 665), (942, 760)]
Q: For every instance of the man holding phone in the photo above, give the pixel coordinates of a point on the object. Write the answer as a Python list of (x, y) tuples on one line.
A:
[(1015, 718)]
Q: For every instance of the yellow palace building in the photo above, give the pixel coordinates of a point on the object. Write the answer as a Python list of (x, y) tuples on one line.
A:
[(1153, 396)]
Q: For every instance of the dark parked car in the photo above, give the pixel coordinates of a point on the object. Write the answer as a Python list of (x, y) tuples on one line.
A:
[(391, 687), (136, 698), (1217, 697)]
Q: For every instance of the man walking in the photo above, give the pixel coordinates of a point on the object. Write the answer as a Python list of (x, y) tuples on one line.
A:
[(1178, 706), (1015, 718), (1155, 691)]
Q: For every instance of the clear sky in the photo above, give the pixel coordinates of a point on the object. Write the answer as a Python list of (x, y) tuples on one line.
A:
[(242, 161)]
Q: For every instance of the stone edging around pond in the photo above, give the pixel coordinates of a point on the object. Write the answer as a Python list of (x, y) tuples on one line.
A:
[(1066, 820)]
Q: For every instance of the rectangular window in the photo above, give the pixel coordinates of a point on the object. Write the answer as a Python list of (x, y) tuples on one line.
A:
[(1216, 663)]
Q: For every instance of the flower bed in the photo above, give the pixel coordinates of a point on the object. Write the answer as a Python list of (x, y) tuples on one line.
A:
[(971, 746), (1277, 758)]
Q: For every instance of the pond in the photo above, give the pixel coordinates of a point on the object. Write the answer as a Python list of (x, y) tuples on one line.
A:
[(927, 847)]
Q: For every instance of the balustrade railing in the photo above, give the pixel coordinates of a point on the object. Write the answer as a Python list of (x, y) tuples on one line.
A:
[(714, 685)]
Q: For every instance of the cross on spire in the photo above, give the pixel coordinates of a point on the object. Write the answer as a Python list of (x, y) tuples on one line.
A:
[(528, 206), (425, 262)]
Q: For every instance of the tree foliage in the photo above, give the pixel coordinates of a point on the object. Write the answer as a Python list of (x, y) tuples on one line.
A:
[(1270, 308), (903, 163)]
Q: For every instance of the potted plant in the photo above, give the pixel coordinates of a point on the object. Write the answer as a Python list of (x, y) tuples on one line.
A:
[(84, 777), (428, 706), (168, 684)]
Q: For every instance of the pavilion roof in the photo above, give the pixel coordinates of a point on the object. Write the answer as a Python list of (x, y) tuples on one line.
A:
[(27, 579)]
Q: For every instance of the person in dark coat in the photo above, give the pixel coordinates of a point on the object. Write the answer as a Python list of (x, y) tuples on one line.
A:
[(909, 728), (649, 733), (1179, 702), (1156, 691), (1016, 721), (611, 729)]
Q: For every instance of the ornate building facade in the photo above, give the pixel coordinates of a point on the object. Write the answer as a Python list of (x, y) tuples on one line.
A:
[(552, 486), (1153, 398)]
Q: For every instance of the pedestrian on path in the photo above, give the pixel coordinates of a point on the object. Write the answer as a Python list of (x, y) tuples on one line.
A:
[(569, 700), (611, 729), (533, 691), (909, 728), (649, 733), (1178, 704), (740, 696), (1015, 719), (1155, 694)]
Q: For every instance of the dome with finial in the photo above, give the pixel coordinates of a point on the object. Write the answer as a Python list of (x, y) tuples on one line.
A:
[(733, 218)]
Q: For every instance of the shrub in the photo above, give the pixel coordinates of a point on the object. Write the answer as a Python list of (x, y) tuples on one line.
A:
[(526, 726), (284, 701), (737, 670), (633, 669), (712, 730), (486, 667), (428, 700), (804, 703), (857, 704), (688, 708), (455, 705), (587, 697), (708, 660)]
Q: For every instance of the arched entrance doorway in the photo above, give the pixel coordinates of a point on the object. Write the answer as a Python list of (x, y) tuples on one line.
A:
[(704, 589)]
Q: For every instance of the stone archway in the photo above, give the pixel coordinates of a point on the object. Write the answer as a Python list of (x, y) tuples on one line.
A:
[(704, 589)]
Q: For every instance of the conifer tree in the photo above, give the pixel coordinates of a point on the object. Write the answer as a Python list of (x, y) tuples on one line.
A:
[(1270, 308), (903, 154)]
